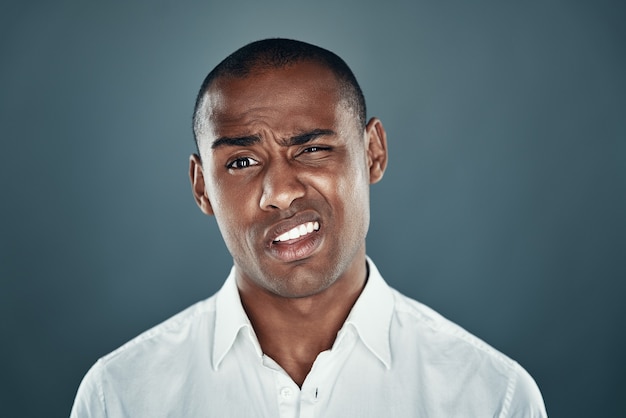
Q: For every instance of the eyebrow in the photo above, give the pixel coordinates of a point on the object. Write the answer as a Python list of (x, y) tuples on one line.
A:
[(306, 137), (245, 141), (242, 141)]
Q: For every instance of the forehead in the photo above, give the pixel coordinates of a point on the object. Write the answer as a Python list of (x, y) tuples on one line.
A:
[(289, 98)]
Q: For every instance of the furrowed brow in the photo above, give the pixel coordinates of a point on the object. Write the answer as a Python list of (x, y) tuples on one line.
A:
[(242, 141), (306, 137)]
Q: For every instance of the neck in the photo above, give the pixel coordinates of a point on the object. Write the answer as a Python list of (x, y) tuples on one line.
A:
[(293, 331)]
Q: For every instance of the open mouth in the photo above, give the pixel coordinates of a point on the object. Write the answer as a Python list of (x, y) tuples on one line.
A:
[(301, 241), (298, 232)]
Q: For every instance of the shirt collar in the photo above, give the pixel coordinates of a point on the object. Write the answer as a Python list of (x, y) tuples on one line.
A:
[(230, 318), (370, 316)]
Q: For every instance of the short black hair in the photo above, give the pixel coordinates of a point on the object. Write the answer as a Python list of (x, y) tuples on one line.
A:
[(278, 53)]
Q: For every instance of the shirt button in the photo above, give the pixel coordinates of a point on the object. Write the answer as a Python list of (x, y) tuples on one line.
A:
[(286, 392)]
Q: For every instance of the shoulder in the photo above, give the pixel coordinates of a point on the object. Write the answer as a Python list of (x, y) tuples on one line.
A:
[(452, 354), (146, 360), (434, 330), (172, 333)]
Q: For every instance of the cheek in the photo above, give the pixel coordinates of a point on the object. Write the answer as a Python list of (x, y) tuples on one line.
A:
[(354, 180), (230, 193), (356, 198), (232, 207), (347, 191)]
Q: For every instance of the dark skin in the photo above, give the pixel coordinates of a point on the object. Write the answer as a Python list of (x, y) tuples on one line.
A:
[(286, 170), (292, 331)]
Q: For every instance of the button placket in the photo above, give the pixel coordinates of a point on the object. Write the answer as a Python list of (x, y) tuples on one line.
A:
[(286, 392)]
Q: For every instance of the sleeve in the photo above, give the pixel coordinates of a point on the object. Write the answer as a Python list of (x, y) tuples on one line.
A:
[(89, 401), (524, 399)]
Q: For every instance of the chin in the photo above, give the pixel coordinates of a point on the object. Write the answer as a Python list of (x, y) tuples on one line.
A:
[(301, 285)]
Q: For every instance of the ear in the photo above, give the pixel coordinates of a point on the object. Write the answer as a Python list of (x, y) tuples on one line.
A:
[(376, 149), (196, 175)]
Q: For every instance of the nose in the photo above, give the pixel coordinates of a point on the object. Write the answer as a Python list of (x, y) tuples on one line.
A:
[(281, 187)]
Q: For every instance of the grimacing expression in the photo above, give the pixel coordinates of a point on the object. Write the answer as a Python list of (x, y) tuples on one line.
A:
[(286, 171)]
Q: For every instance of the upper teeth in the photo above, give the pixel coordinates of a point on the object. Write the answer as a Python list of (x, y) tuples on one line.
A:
[(299, 231)]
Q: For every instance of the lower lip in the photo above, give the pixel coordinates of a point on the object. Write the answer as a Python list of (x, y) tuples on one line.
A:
[(296, 250)]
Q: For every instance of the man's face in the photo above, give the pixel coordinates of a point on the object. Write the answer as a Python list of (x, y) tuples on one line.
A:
[(286, 172)]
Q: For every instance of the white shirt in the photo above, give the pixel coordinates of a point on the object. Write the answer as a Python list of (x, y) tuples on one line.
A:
[(394, 357)]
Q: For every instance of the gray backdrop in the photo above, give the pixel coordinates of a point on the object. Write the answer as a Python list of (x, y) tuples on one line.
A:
[(502, 208)]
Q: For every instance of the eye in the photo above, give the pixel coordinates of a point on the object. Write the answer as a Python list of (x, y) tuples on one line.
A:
[(243, 162), (315, 149)]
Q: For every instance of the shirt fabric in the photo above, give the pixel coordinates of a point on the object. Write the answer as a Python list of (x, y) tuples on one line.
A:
[(393, 357)]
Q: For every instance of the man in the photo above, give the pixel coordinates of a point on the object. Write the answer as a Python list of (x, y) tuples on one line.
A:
[(304, 324)]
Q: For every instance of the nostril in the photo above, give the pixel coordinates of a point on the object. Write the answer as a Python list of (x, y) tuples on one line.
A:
[(280, 189)]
